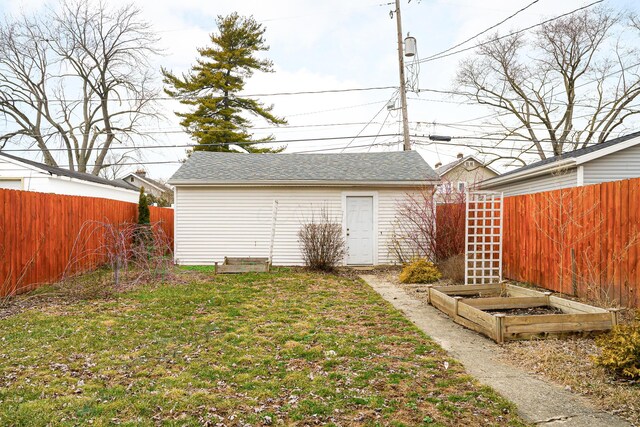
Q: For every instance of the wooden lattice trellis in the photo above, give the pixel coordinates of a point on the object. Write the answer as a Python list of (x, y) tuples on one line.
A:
[(483, 237)]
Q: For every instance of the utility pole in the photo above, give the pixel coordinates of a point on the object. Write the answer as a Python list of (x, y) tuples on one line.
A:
[(403, 89)]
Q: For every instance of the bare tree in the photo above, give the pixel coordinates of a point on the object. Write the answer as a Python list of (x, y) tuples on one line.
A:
[(571, 83), (429, 225), (76, 78), (117, 162)]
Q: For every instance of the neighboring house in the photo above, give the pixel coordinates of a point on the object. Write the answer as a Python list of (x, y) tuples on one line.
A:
[(226, 203), (23, 174), (611, 160), (464, 172), (151, 186)]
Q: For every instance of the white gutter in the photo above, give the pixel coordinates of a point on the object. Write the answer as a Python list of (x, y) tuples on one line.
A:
[(529, 173)]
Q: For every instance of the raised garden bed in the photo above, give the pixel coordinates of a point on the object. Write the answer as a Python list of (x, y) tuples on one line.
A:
[(243, 265), (505, 312)]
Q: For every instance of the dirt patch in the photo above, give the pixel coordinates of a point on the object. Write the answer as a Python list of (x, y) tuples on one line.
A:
[(569, 362), (530, 311)]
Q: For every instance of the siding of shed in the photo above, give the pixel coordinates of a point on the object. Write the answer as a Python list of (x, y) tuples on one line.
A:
[(27, 176), (615, 166), (214, 222), (564, 179)]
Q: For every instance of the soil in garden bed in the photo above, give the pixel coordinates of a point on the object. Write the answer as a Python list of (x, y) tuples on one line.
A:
[(531, 311)]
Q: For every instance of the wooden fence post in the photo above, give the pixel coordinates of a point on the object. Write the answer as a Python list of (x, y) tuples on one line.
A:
[(499, 329)]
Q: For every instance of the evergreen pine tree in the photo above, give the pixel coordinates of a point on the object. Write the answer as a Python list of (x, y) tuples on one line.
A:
[(144, 215), (142, 233), (213, 85)]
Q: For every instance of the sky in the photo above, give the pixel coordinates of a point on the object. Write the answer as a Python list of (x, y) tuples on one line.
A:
[(328, 45)]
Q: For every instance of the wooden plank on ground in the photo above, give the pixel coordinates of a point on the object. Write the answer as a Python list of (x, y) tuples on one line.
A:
[(563, 326), (475, 327), (226, 268), (542, 319), (246, 260), (576, 306), (514, 290), (442, 302), (469, 289), (503, 303), (485, 320)]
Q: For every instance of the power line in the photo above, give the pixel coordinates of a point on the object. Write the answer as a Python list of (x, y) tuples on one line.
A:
[(379, 144), (489, 147), (379, 130), (482, 32), (368, 123), (163, 162), (253, 95), (335, 109), (433, 58), (216, 144)]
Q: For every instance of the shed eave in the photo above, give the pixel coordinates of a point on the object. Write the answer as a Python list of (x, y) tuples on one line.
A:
[(530, 173), (307, 183)]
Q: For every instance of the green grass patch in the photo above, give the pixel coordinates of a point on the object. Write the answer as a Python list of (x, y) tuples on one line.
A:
[(282, 348)]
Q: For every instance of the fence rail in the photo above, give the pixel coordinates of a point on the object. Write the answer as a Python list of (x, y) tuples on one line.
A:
[(38, 232)]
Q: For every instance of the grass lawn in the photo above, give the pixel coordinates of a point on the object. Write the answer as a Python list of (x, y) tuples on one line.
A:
[(287, 348)]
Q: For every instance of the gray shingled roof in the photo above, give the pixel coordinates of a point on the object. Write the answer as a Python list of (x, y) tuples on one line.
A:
[(221, 168), (160, 186), (573, 154), (445, 168), (53, 170)]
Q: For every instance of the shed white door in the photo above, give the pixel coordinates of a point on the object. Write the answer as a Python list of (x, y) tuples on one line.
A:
[(360, 230)]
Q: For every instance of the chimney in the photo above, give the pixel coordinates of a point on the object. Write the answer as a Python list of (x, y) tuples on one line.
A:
[(438, 165), (460, 155), (141, 172)]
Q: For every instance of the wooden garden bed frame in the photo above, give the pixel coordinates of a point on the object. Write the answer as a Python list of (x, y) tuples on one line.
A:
[(243, 265), (501, 327)]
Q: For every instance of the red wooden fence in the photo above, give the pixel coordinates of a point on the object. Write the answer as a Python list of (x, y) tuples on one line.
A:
[(580, 241), (450, 224), (38, 232)]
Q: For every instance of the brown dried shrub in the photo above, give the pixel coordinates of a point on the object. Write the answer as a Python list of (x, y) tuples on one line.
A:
[(452, 268), (321, 241)]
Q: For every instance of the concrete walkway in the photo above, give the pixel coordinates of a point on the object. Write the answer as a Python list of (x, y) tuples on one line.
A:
[(538, 401)]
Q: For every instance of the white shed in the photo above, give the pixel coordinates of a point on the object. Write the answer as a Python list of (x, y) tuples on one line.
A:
[(228, 204), (24, 174)]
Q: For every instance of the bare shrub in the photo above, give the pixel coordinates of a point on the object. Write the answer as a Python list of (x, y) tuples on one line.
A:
[(321, 241), (429, 226), (453, 268), (120, 248)]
